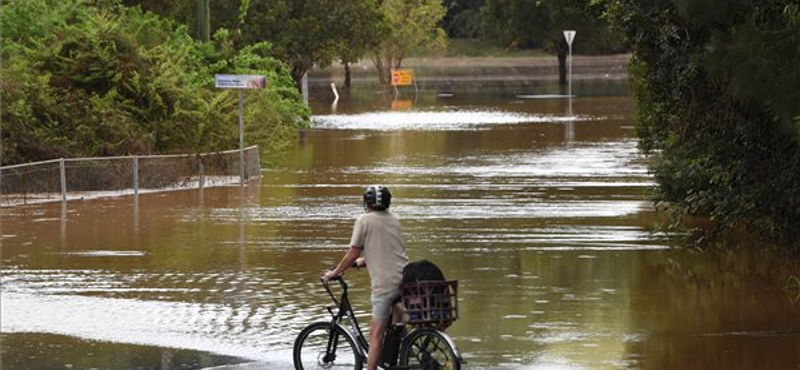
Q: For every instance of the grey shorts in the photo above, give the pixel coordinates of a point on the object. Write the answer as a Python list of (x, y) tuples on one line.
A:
[(382, 304)]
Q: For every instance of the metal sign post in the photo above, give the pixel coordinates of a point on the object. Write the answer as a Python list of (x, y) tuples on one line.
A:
[(241, 136), (569, 36), (240, 82)]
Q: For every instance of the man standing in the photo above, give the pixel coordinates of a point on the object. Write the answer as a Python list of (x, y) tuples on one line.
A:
[(378, 237)]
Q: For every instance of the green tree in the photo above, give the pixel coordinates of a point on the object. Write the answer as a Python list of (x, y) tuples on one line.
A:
[(85, 78), (362, 37), (413, 26), (540, 24), (463, 18), (305, 33), (717, 87), (220, 14)]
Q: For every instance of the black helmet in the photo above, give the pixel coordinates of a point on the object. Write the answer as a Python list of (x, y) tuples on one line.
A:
[(377, 197)]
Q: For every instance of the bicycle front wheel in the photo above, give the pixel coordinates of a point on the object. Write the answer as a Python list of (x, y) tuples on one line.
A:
[(319, 347), (428, 349)]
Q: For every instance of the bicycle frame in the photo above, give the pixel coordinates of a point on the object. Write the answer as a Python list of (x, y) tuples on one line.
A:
[(345, 309)]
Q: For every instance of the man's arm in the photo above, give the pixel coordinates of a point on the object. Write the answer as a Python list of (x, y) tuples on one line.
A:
[(348, 259)]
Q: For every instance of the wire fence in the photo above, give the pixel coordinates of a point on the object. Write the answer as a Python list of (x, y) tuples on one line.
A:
[(80, 178)]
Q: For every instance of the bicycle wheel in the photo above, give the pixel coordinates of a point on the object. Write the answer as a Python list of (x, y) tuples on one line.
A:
[(428, 349), (311, 349)]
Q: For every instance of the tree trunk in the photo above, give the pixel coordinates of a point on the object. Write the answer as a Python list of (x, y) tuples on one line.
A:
[(347, 75), (203, 21), (382, 68), (562, 67), (297, 75)]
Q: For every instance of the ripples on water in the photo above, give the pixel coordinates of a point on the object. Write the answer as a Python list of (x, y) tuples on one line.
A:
[(476, 210), (237, 313)]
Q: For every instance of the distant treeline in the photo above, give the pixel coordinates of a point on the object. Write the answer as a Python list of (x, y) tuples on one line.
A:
[(118, 77)]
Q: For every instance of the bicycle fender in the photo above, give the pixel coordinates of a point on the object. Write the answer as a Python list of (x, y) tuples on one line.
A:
[(452, 345)]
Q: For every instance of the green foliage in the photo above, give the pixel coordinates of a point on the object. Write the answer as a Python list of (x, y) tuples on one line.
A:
[(412, 26), (308, 33), (540, 24), (305, 33), (716, 82), (359, 37), (522, 24), (89, 78), (463, 18)]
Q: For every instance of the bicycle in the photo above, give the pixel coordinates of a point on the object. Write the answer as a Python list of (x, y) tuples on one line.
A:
[(431, 307)]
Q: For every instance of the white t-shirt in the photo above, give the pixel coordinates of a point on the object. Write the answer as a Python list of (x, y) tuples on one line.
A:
[(378, 235)]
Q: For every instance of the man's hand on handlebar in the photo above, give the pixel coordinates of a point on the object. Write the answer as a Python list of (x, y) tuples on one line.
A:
[(332, 275)]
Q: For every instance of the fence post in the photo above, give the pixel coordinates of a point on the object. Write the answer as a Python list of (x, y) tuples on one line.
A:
[(202, 172), (258, 162), (136, 175), (63, 173)]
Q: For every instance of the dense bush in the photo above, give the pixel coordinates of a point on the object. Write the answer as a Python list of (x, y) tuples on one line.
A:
[(90, 78), (718, 90)]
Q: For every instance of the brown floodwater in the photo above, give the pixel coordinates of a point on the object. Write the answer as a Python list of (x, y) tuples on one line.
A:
[(539, 207)]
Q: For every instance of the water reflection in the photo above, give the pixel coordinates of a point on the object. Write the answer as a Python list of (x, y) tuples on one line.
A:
[(728, 314), (63, 225)]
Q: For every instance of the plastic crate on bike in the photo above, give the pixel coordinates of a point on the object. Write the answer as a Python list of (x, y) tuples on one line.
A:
[(429, 299), (431, 303)]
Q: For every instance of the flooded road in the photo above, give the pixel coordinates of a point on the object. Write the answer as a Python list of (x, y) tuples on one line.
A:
[(543, 216)]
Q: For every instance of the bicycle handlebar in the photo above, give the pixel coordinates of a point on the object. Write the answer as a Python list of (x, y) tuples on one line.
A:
[(354, 264), (342, 283), (339, 279)]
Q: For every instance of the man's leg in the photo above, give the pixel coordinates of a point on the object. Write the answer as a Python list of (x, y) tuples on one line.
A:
[(399, 313), (376, 332)]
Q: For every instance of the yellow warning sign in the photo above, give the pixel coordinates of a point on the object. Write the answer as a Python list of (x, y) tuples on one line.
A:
[(402, 77)]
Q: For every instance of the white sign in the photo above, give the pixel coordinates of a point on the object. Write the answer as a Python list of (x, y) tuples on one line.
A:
[(569, 35), (240, 81)]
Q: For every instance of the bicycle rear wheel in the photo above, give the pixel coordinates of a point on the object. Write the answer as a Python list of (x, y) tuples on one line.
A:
[(428, 349), (317, 347)]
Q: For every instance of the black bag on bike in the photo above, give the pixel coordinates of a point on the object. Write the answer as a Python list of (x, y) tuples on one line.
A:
[(422, 270)]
